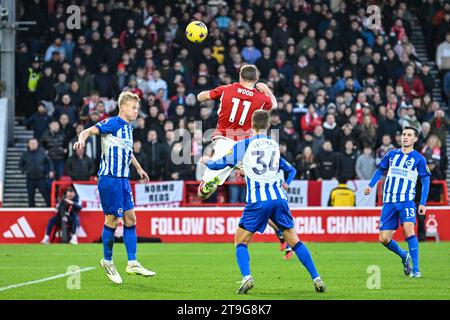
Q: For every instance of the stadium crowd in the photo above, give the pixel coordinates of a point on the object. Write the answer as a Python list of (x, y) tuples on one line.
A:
[(345, 89)]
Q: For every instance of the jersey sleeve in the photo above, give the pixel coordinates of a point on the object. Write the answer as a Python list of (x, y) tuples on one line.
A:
[(107, 126), (216, 93), (423, 169), (267, 102), (384, 163), (287, 167)]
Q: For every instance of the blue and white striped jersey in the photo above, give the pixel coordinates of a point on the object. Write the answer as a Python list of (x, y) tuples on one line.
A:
[(117, 147), (260, 156), (400, 184)]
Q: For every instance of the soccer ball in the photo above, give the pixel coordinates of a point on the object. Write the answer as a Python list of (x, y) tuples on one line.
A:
[(196, 31)]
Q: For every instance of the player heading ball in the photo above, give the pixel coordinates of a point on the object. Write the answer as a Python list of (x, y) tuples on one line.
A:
[(238, 102)]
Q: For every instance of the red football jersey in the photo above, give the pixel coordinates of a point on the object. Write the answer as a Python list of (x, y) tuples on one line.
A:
[(237, 104)]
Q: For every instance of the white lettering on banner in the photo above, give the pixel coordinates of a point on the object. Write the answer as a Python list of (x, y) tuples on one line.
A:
[(298, 193), (215, 226), (352, 225), (176, 226), (309, 225), (159, 193), (232, 224)]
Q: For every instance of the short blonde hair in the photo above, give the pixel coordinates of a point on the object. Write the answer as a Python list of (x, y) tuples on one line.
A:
[(126, 96)]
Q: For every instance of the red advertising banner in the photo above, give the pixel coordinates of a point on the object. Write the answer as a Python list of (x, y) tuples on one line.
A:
[(218, 224)]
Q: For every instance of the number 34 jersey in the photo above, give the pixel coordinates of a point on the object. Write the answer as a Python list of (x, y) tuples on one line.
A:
[(237, 104), (260, 156)]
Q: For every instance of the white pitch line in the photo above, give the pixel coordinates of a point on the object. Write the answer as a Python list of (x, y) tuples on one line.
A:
[(62, 275)]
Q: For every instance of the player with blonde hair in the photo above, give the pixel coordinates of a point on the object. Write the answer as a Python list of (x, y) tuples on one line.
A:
[(114, 185)]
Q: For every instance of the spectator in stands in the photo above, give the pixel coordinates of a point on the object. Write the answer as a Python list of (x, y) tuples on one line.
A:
[(45, 90), (84, 80), (306, 167), (435, 193), (388, 126), (327, 163), (347, 161), (385, 147), (172, 171), (368, 134), (66, 107), (310, 120), (408, 117), (37, 166), (443, 54), (411, 83), (79, 166), (157, 155), (54, 142), (39, 121), (365, 164), (440, 124), (141, 158), (432, 149), (66, 127)]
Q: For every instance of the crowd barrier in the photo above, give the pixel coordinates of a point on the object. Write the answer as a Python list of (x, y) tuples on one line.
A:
[(184, 193), (205, 225)]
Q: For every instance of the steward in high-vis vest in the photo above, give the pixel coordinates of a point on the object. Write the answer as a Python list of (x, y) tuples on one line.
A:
[(342, 196), (34, 74)]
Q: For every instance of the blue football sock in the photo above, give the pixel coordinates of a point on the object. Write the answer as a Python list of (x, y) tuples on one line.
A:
[(108, 242), (413, 245), (243, 259), (394, 247), (130, 240), (288, 247), (305, 258), (280, 235)]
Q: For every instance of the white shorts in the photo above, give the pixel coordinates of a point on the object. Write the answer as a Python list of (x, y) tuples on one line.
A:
[(221, 147)]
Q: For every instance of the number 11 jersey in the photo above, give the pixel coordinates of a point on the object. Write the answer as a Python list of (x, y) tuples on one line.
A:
[(237, 104)]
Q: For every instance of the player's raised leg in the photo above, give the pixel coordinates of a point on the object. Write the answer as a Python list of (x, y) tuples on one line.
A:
[(130, 240), (305, 258), (242, 239), (213, 178), (108, 243)]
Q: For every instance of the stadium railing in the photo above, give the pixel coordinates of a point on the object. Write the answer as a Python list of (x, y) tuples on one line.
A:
[(190, 198), (3, 143), (440, 184)]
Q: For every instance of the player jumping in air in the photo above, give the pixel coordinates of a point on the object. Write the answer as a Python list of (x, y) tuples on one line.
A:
[(266, 199), (238, 101), (113, 184), (404, 165)]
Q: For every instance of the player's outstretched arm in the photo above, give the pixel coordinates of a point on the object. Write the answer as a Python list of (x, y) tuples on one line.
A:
[(262, 87), (204, 96), (141, 172), (375, 178), (86, 133)]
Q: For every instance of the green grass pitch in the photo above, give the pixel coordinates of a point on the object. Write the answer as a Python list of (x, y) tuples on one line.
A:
[(209, 271)]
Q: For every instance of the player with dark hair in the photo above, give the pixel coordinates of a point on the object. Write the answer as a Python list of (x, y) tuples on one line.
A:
[(266, 199), (404, 166)]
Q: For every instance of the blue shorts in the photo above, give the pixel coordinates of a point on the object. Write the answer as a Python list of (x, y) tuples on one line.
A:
[(115, 195), (393, 212), (256, 215)]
